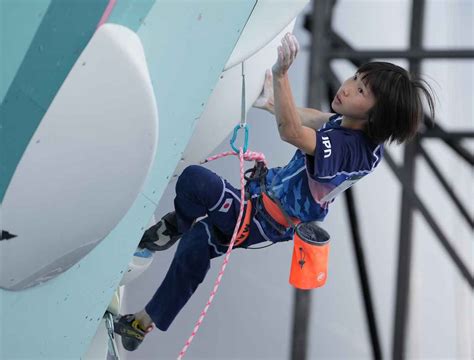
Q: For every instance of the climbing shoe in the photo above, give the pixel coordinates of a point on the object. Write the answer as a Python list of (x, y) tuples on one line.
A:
[(130, 331), (162, 235)]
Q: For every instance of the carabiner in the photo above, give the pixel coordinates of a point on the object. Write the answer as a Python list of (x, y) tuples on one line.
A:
[(234, 136)]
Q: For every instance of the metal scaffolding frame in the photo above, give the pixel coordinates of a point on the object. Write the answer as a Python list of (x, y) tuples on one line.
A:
[(327, 45)]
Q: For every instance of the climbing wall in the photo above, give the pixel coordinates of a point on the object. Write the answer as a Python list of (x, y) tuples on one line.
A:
[(185, 49)]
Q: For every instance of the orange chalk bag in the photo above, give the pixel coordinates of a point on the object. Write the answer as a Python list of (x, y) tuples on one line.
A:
[(309, 263)]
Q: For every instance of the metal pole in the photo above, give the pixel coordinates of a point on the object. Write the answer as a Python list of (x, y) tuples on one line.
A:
[(452, 135), (413, 54), (406, 220), (363, 276)]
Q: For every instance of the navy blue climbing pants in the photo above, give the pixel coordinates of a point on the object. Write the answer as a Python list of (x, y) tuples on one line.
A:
[(199, 192)]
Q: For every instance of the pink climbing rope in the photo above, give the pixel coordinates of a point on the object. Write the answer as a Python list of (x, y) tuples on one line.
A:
[(248, 156)]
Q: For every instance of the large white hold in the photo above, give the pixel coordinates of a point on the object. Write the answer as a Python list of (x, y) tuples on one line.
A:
[(268, 18), (85, 164)]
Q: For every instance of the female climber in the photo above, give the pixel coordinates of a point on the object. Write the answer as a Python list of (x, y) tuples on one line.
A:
[(380, 103)]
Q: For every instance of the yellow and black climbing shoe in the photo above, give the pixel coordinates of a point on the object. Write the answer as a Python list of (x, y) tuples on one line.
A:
[(129, 329)]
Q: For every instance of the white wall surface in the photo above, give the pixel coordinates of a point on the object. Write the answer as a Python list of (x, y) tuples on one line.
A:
[(251, 316)]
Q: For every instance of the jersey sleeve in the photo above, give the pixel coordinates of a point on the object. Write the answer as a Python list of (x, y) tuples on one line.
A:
[(332, 154), (333, 119)]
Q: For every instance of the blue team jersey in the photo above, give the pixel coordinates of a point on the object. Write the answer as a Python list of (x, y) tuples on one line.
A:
[(308, 184)]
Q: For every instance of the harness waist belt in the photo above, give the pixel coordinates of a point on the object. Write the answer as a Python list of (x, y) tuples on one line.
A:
[(275, 211)]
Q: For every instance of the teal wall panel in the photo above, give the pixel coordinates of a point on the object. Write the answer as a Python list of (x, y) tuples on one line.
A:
[(19, 20), (187, 46), (65, 30), (131, 13)]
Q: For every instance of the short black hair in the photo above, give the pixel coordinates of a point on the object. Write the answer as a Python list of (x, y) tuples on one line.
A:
[(398, 111)]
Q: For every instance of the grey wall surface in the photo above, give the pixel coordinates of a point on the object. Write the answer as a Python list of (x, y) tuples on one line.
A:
[(251, 315)]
